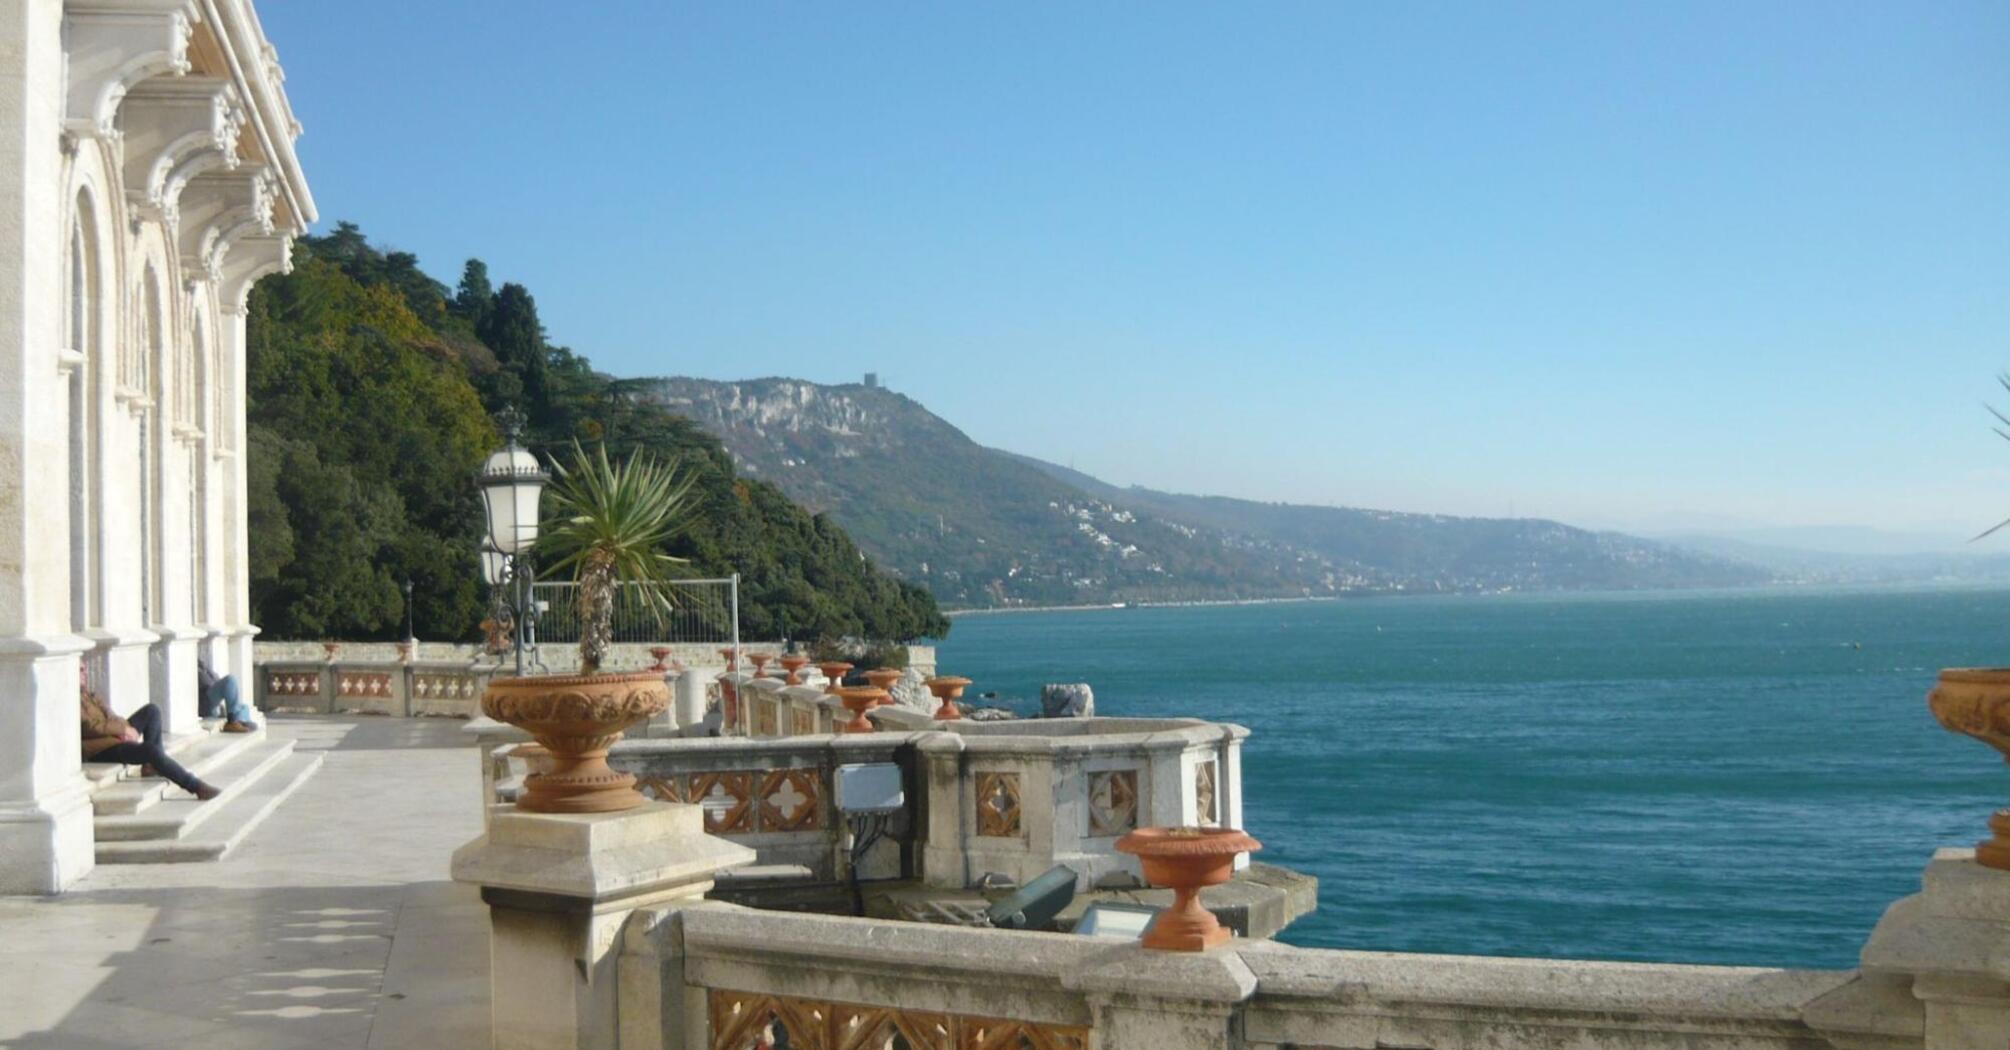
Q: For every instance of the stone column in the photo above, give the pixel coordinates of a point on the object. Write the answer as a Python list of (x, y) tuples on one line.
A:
[(1936, 972), (45, 813), (559, 888)]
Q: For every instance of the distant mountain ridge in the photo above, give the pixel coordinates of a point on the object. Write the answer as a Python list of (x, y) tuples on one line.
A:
[(985, 528)]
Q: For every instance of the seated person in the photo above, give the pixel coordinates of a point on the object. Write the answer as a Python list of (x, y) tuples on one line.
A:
[(133, 741), (220, 696)]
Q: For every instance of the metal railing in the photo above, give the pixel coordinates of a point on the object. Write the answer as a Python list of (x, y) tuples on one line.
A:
[(701, 611)]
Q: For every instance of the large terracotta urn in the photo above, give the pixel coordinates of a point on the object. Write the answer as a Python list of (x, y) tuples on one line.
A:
[(882, 679), (732, 658), (792, 663), (1183, 860), (858, 699), (834, 673), (1975, 701), (948, 689), (577, 718), (760, 662)]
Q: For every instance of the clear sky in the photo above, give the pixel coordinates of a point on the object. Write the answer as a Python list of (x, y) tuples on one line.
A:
[(1619, 264)]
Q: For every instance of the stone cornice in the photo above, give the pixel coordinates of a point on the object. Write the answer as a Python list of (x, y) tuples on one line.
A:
[(175, 130), (113, 45), (254, 64)]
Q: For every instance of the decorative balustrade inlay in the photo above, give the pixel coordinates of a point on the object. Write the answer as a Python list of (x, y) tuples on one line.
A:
[(746, 802), (998, 805), (363, 684), (752, 1021), (1113, 802), (293, 683), (447, 686)]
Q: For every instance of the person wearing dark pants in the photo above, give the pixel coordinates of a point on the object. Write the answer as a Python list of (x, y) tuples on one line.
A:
[(134, 741)]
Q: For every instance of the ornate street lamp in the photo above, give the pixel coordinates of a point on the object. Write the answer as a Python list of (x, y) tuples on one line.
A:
[(512, 482)]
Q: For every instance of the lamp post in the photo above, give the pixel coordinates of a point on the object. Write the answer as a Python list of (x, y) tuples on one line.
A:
[(512, 483)]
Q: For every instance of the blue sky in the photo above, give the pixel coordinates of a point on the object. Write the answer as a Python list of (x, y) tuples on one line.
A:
[(1617, 264)]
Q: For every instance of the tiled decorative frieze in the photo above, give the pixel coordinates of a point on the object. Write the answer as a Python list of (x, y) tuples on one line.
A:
[(728, 802), (363, 685), (752, 1021), (293, 683), (1204, 805), (743, 802), (998, 805), (1113, 802), (446, 686), (789, 800)]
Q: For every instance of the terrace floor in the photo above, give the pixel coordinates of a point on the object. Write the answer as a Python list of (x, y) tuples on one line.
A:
[(332, 925)]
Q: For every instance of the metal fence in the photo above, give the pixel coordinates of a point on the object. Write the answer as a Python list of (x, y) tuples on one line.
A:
[(706, 611)]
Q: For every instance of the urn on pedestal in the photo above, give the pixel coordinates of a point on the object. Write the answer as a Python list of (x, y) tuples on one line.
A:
[(760, 662), (858, 699), (834, 673), (948, 689), (1975, 701), (882, 679), (1184, 860), (610, 529), (792, 664)]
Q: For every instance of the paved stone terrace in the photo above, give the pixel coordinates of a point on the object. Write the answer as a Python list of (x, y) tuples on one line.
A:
[(333, 925)]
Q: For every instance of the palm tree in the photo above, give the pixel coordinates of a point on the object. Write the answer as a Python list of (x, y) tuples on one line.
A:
[(610, 524)]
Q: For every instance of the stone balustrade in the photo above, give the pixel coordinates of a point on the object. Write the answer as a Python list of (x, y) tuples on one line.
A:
[(376, 687), (622, 656), (714, 976)]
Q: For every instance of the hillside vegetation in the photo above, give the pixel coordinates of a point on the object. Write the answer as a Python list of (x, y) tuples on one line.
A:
[(371, 389), (982, 527)]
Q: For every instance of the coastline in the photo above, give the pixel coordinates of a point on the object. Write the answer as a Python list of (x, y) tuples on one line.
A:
[(1776, 587)]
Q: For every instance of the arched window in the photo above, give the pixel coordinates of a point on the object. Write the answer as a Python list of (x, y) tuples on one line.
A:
[(80, 340)]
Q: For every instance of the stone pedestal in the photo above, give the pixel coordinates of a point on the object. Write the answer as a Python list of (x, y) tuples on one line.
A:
[(559, 888), (1936, 972), (45, 803)]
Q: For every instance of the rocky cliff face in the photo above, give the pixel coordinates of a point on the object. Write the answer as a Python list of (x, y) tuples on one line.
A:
[(981, 527)]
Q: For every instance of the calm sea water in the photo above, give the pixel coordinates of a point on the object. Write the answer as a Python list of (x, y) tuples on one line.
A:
[(1716, 777)]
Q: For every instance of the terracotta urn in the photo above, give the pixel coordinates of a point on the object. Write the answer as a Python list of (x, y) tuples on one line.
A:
[(760, 662), (1183, 860), (1975, 701), (661, 653), (948, 689), (858, 699), (577, 718), (834, 672), (732, 658), (331, 648), (406, 651), (882, 679), (793, 664)]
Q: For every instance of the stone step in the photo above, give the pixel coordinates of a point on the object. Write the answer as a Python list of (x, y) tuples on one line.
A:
[(233, 821), (204, 755), (178, 813)]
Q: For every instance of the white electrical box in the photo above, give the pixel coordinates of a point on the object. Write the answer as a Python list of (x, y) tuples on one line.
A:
[(871, 787)]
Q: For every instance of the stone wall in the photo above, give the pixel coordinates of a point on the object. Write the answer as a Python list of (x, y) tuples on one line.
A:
[(708, 975)]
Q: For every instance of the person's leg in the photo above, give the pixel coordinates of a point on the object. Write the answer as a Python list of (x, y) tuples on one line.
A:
[(152, 756), (233, 700), (148, 721)]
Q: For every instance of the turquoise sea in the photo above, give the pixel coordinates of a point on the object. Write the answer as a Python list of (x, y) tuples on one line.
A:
[(1720, 777)]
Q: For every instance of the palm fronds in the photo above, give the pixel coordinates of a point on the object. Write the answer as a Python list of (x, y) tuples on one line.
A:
[(610, 524)]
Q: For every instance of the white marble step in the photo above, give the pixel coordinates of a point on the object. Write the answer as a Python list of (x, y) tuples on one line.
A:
[(234, 818), (178, 812), (204, 754)]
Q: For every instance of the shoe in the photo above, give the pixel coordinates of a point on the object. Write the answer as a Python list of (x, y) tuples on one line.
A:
[(235, 726), (203, 792), (149, 771)]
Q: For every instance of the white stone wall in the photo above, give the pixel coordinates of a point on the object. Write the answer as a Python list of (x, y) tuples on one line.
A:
[(147, 179)]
